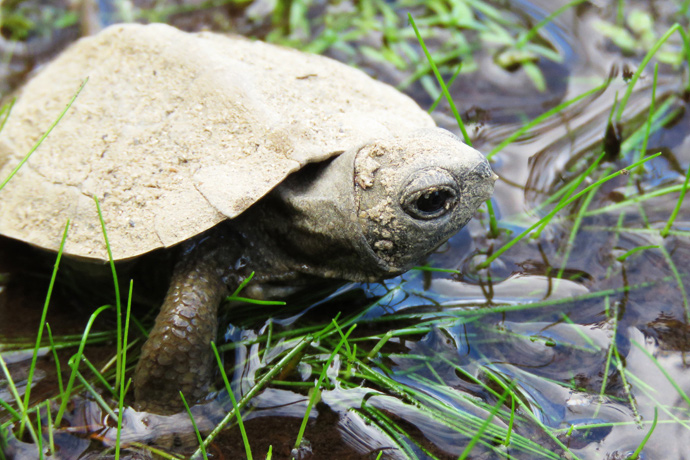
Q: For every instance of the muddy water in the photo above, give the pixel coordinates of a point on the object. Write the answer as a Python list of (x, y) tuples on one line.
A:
[(593, 345)]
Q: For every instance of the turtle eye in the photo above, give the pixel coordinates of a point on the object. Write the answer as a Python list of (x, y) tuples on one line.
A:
[(433, 201), (430, 203), (429, 194)]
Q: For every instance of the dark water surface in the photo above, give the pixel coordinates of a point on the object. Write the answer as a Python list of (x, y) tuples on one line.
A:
[(593, 345)]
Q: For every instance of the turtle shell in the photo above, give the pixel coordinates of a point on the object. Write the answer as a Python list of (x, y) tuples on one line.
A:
[(175, 132)]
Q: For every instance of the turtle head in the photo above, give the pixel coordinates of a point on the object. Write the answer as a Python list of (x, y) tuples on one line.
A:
[(414, 192), (377, 209)]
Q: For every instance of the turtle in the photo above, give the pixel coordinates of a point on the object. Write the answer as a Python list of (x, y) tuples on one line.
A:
[(242, 157)]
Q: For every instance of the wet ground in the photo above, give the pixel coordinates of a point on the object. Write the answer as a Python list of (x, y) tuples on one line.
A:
[(587, 322)]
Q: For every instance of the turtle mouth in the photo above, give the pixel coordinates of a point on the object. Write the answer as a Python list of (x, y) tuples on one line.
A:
[(380, 267)]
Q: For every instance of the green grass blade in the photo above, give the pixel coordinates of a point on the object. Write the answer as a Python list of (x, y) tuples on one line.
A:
[(493, 223), (58, 370), (622, 257), (51, 429), (530, 34), (74, 364), (620, 366), (661, 368), (242, 285), (228, 388), (121, 400), (574, 229), (648, 57), (484, 426), (556, 110), (575, 184), (42, 138), (5, 111), (636, 455), (672, 218), (570, 189), (116, 285), (235, 297), (444, 88), (265, 380), (99, 376), (39, 335), (317, 387), (254, 301), (39, 431), (650, 117), (450, 83), (96, 396), (526, 232), (22, 413), (202, 446), (15, 415)]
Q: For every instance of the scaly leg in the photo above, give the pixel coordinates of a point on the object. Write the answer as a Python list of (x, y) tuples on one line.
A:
[(177, 355)]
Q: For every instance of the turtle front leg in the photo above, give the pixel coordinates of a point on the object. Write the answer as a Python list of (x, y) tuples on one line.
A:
[(177, 355)]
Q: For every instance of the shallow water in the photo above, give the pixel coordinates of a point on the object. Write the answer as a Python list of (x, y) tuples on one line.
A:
[(543, 318)]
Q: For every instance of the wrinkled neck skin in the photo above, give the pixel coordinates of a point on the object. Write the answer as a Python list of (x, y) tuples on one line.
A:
[(305, 230), (307, 227)]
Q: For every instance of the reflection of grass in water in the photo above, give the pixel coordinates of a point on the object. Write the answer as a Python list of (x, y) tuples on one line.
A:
[(364, 358)]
